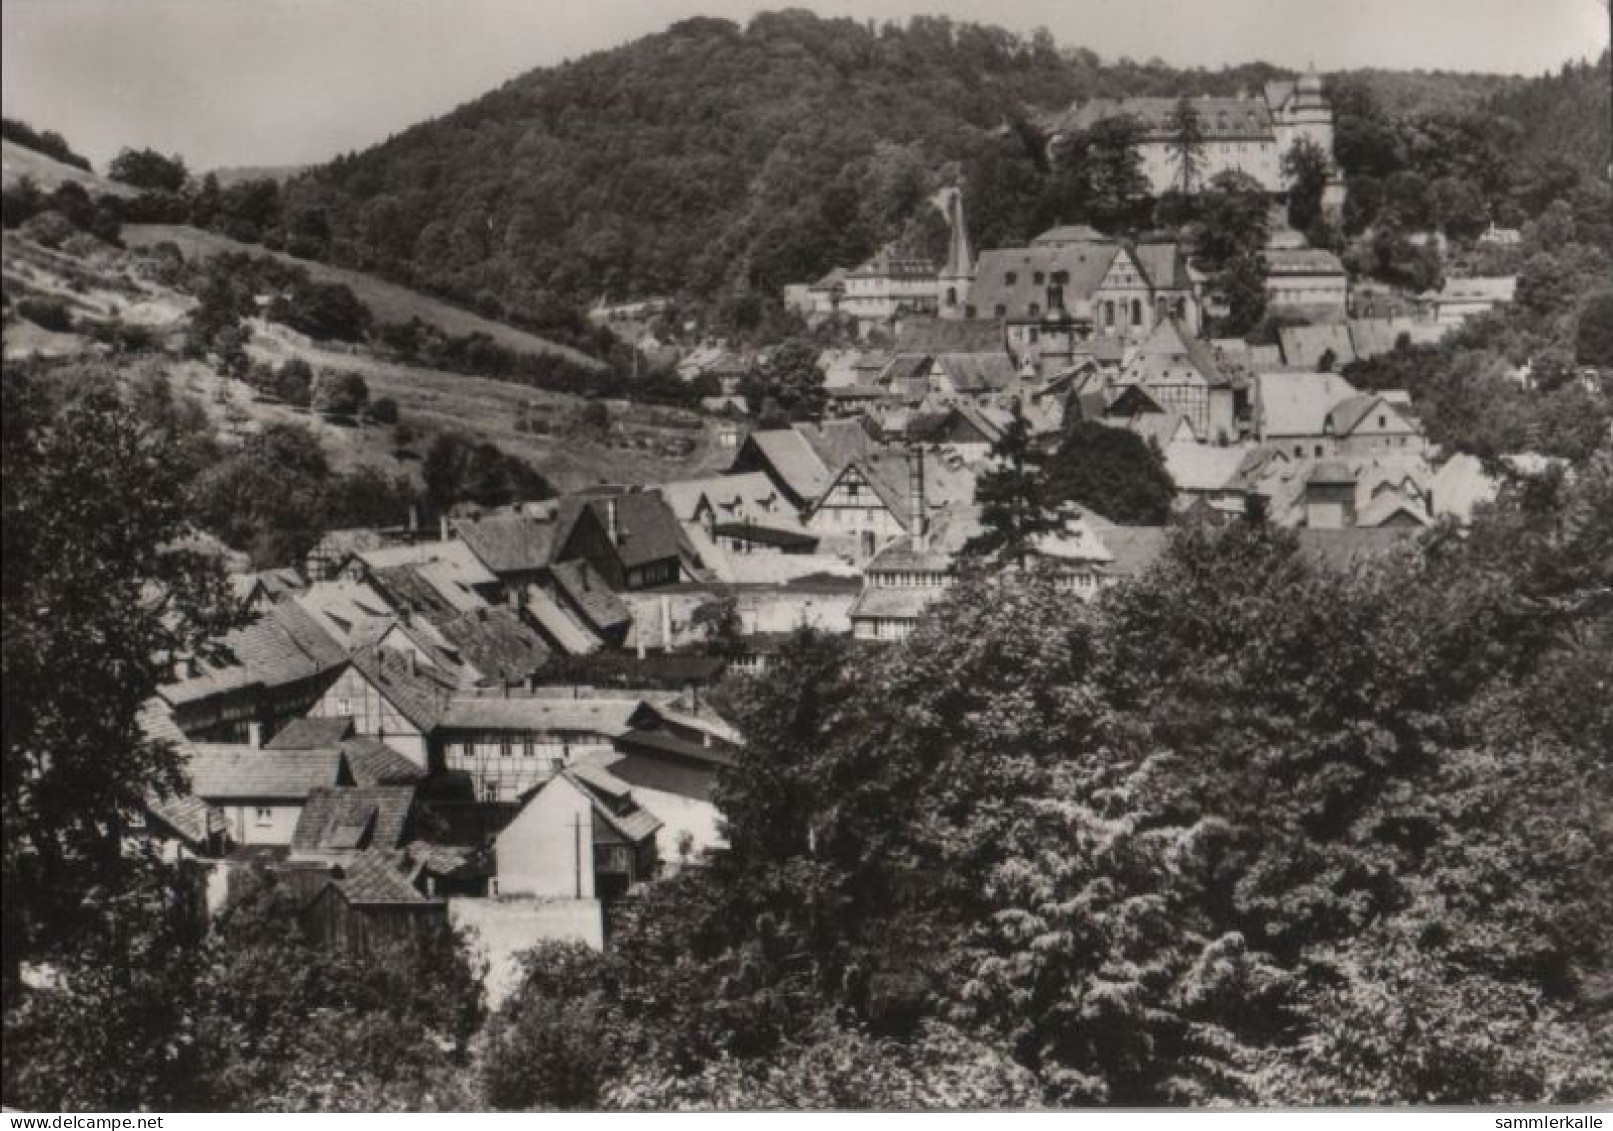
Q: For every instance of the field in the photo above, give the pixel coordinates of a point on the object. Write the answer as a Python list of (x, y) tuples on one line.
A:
[(388, 301)]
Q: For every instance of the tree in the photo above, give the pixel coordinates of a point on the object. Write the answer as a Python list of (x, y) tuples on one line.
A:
[(269, 497), (1009, 494), (1307, 169), (384, 410), (558, 1040), (97, 582), (790, 383), (148, 169), (323, 311), (294, 382), (1234, 214), (1460, 207), (457, 470), (1186, 144), (1593, 339), (341, 392), (1111, 470)]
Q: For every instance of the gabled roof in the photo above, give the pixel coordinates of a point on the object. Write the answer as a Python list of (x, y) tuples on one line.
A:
[(588, 590), (221, 772), (797, 466), (1343, 417), (616, 813), (893, 603), (546, 714), (1133, 549), (1069, 234), (284, 645), (273, 583), (455, 556), (311, 734), (370, 761), (508, 543), (1297, 404), (374, 877), (350, 818), (979, 372), (747, 497), (419, 695), (352, 612), (1164, 266), (189, 817), (1170, 357), (496, 642), (647, 530), (1331, 473), (1303, 346), (567, 633), (1203, 467), (1006, 278)]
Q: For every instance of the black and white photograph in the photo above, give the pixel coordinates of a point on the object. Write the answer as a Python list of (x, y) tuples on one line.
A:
[(879, 556)]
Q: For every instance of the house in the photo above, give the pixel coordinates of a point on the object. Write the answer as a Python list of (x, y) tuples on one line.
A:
[(257, 592), (391, 695), (1055, 295), (579, 835), (338, 823), (744, 513), (1373, 337), (333, 550), (1321, 415), (1182, 375), (1304, 347), (803, 460), (508, 745), (449, 558), (515, 548), (889, 286), (630, 539), (369, 900), (1245, 134), (1306, 281), (1207, 473), (1371, 422), (260, 674), (259, 794), (1461, 299), (581, 595)]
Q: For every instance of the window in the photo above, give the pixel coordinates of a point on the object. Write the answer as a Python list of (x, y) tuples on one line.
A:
[(1136, 312), (1010, 279), (1383, 422), (1030, 335), (1000, 310), (1055, 297), (1109, 313), (528, 747), (344, 705), (490, 791), (1035, 310), (263, 817), (1038, 278), (1318, 451), (504, 750)]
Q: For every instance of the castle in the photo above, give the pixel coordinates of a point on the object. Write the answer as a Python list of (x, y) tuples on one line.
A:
[(1249, 134)]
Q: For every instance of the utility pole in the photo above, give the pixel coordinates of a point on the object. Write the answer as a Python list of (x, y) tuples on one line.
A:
[(576, 850)]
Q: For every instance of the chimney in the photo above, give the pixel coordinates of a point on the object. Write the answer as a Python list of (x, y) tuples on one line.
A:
[(414, 522), (254, 735), (666, 622), (409, 660), (516, 593), (442, 525), (918, 513), (612, 524)]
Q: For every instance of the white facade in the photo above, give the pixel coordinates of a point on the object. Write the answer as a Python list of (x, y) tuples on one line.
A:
[(548, 850)]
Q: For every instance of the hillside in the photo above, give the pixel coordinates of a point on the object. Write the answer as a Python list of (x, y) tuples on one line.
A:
[(389, 302), (17, 162), (717, 162), (102, 289)]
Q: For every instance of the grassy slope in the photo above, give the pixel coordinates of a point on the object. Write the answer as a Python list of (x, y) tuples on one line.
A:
[(18, 161), (388, 301), (101, 284)]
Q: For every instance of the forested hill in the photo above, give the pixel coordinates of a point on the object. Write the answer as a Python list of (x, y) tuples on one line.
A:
[(702, 156), (713, 158)]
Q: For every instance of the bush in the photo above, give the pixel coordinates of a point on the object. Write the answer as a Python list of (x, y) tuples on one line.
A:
[(384, 411), (46, 313), (341, 392), (558, 1042)]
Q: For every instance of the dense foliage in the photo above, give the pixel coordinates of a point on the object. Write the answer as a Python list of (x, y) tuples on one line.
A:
[(48, 142)]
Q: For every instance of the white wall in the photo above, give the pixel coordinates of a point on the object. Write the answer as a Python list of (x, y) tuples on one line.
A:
[(245, 828), (542, 852), (502, 930)]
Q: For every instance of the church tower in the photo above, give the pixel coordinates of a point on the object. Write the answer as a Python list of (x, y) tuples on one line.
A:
[(959, 272)]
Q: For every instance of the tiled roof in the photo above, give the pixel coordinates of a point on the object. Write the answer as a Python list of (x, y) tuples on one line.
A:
[(664, 742), (454, 555), (1134, 548), (1302, 261), (587, 589), (1221, 119), (282, 646), (979, 372), (311, 734), (219, 772), (373, 877), (950, 335), (1068, 234), (1303, 346), (275, 583), (508, 543), (496, 642), (1351, 545), (544, 714), (1297, 404), (1170, 357), (891, 603), (1331, 472), (1203, 467), (349, 818), (1164, 265), (190, 817), (613, 803), (1344, 416), (411, 588), (750, 496), (793, 460), (566, 632), (419, 696), (372, 762), (1085, 265), (647, 530)]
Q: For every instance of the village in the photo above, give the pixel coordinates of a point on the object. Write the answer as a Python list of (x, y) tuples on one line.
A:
[(510, 719)]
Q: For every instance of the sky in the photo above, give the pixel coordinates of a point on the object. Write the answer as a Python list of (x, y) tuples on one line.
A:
[(277, 82)]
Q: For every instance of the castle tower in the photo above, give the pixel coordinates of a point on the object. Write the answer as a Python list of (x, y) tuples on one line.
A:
[(959, 272)]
